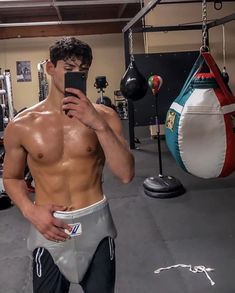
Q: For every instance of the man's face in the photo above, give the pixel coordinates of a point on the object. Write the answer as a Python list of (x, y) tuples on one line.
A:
[(66, 66)]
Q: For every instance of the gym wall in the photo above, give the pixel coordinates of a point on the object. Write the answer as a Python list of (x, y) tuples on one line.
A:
[(173, 14), (108, 52)]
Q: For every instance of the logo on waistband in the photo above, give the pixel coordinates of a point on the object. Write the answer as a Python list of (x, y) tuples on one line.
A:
[(76, 229)]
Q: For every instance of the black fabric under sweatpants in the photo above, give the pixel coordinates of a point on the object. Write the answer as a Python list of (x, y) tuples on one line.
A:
[(100, 276)]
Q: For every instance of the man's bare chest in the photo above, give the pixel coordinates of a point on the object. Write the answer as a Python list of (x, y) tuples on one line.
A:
[(56, 141)]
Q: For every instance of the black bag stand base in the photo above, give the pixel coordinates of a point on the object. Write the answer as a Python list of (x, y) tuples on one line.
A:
[(163, 187)]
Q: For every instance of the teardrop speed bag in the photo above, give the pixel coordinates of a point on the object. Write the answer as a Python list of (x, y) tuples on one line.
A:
[(133, 85), (200, 124)]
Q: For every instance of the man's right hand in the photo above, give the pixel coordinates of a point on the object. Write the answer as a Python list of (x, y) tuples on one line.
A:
[(41, 216)]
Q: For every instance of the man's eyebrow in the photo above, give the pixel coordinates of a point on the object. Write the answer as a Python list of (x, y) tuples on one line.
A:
[(70, 64), (84, 66)]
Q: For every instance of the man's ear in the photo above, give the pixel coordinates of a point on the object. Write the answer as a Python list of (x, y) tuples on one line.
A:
[(50, 67)]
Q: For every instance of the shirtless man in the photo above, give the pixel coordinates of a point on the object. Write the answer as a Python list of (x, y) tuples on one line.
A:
[(72, 230)]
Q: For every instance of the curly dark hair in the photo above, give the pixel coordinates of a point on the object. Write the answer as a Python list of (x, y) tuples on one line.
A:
[(70, 48)]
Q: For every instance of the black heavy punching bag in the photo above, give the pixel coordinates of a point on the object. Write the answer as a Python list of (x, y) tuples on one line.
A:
[(133, 85)]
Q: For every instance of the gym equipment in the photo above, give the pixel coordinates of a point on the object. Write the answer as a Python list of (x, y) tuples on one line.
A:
[(162, 186), (6, 114), (2, 155), (104, 101), (121, 105), (29, 180), (155, 83), (200, 124), (100, 84), (9, 94), (42, 79), (224, 71), (179, 72), (3, 100), (5, 201), (6, 98), (133, 84)]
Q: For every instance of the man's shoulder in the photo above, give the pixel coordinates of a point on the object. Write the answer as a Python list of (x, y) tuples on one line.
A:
[(109, 115), (24, 118), (29, 113), (104, 110)]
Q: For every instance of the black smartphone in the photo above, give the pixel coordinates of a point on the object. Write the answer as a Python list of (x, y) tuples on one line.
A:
[(75, 79)]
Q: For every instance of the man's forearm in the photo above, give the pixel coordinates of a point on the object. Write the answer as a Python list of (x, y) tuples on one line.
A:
[(117, 154), (17, 191)]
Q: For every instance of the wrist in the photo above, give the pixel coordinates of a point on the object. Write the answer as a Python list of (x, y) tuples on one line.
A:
[(27, 210), (101, 126)]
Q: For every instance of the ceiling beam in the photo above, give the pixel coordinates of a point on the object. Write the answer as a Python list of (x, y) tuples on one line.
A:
[(57, 10), (121, 10), (189, 1), (145, 10), (61, 30), (64, 22), (221, 21), (20, 4)]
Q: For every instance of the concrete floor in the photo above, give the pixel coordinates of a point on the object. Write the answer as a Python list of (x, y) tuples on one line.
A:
[(196, 228)]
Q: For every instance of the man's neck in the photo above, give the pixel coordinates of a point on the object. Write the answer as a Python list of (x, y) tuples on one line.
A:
[(54, 100)]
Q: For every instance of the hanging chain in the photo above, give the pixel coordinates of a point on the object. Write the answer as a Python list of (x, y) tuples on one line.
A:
[(204, 25), (224, 46), (131, 45)]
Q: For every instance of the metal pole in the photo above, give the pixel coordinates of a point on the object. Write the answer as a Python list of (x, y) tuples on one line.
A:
[(63, 3), (9, 94), (38, 23), (223, 20), (141, 14), (167, 28), (158, 138)]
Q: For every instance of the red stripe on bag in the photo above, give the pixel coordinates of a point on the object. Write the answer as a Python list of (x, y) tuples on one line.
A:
[(228, 97), (229, 161), (225, 97)]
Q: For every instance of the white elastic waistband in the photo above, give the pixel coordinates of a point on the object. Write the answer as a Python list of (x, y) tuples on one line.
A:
[(82, 211)]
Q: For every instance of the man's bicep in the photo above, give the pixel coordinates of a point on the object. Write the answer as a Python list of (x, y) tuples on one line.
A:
[(15, 156), (116, 125), (14, 164)]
